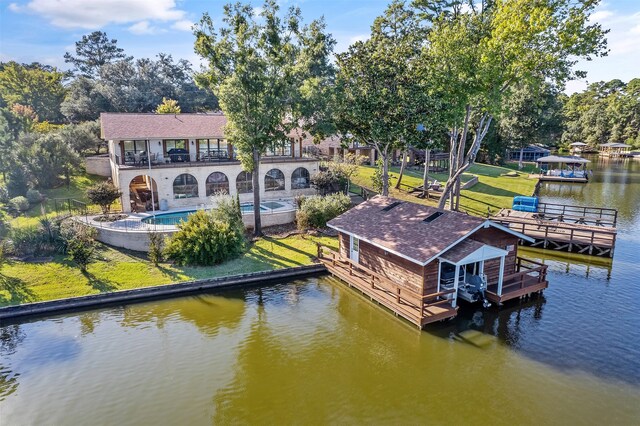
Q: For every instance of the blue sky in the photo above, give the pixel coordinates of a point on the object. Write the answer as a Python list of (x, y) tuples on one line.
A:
[(43, 30)]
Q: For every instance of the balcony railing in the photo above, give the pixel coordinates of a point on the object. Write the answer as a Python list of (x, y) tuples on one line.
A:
[(191, 159)]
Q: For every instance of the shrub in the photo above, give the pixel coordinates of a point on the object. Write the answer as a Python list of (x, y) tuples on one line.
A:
[(21, 204), (316, 211), (204, 239), (376, 179), (27, 240), (34, 196), (79, 241), (156, 247), (103, 194), (329, 181)]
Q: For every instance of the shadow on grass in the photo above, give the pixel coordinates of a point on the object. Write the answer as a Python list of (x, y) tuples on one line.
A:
[(483, 188), (171, 273), (286, 246), (271, 258), (101, 285), (18, 291)]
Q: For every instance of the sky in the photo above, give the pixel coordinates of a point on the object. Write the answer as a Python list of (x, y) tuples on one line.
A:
[(43, 30)]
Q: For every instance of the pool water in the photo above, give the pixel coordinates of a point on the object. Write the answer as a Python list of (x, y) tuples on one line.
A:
[(177, 217)]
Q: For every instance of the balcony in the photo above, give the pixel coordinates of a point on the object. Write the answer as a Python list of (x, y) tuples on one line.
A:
[(186, 159)]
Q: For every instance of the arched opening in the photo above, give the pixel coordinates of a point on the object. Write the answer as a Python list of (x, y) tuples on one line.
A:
[(143, 192), (217, 183), (244, 183), (185, 186), (274, 180), (300, 178)]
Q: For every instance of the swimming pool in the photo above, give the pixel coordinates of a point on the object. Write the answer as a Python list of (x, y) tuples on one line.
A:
[(174, 218)]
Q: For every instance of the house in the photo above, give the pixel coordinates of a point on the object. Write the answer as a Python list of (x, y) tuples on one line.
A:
[(529, 153), (166, 161), (418, 260), (613, 149)]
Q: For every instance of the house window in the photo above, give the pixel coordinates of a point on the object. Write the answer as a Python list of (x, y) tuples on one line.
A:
[(217, 183), (300, 178), (244, 183), (185, 186), (175, 144), (133, 150), (213, 149), (274, 180), (279, 149)]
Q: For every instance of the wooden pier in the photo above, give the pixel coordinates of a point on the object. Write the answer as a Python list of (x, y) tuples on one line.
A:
[(580, 229), (416, 308)]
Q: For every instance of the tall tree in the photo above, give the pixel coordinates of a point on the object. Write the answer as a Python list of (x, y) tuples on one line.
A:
[(265, 71), (478, 52), (92, 52), (36, 86), (380, 95)]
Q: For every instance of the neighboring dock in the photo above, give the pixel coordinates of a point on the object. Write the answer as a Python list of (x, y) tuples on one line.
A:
[(580, 229)]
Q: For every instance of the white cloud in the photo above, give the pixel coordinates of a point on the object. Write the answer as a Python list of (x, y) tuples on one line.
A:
[(142, 27), (94, 14), (14, 7), (182, 25), (600, 16)]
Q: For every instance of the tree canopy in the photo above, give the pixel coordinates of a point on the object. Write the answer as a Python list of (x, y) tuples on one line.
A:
[(266, 71), (92, 52)]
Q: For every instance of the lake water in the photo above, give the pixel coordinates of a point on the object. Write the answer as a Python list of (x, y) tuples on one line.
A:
[(316, 352)]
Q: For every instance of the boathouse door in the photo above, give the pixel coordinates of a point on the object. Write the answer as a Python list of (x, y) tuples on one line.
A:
[(354, 252)]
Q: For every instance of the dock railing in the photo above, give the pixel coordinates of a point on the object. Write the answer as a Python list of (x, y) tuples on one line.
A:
[(409, 303), (596, 216), (528, 272)]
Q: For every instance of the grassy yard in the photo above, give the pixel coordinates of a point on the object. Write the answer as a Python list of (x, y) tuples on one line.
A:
[(22, 282), (493, 191)]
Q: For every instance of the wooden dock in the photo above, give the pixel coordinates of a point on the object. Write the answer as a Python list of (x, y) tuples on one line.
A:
[(550, 178), (416, 308), (586, 230)]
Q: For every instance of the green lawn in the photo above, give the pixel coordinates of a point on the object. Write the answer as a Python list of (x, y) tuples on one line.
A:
[(22, 282), (494, 189)]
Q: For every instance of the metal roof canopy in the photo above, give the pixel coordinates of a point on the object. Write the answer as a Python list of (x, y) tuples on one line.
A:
[(615, 145), (578, 144), (570, 159)]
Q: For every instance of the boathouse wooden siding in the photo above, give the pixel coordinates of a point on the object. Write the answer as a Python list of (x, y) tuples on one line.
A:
[(424, 279)]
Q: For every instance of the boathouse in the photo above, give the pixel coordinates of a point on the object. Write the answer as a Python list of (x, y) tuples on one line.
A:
[(613, 149), (415, 259)]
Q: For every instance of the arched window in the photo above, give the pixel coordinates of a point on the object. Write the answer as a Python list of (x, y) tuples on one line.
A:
[(185, 186), (300, 178), (217, 182), (274, 180), (244, 183)]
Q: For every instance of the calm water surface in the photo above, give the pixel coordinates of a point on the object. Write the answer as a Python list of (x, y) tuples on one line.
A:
[(315, 352)]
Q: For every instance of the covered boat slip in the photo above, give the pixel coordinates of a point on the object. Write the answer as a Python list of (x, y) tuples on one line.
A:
[(613, 149), (562, 169)]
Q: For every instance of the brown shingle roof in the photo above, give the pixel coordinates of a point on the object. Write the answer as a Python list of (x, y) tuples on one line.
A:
[(402, 230), (462, 250), (123, 126)]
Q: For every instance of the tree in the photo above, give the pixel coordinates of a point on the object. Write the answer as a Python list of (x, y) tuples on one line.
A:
[(156, 247), (476, 54), (380, 96), (83, 137), (266, 72), (530, 115), (47, 157), (17, 180), (34, 86), (79, 241), (103, 194), (168, 106), (92, 52), (136, 86)]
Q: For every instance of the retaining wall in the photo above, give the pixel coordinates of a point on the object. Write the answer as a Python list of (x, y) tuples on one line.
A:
[(99, 165), (95, 301)]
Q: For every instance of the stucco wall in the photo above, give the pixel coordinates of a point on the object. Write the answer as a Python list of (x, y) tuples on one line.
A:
[(165, 176), (98, 165)]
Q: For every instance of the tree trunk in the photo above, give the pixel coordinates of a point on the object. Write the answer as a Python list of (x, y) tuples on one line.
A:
[(425, 177), (404, 161), (470, 158), (385, 173), (520, 165), (257, 223)]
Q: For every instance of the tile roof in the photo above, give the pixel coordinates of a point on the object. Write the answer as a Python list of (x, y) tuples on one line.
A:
[(402, 229), (126, 126)]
